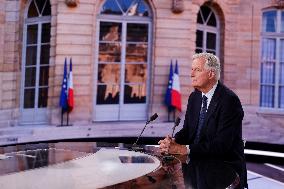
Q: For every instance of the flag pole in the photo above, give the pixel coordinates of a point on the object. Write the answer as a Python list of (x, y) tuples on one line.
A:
[(70, 100), (168, 114), (67, 119), (62, 117)]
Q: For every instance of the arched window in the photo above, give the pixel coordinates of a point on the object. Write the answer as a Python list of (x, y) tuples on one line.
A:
[(35, 61), (272, 59), (123, 61), (208, 31)]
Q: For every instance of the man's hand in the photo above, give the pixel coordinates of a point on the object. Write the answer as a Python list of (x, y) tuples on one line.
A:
[(165, 144), (169, 146)]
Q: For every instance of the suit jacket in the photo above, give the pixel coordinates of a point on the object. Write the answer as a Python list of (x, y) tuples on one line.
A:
[(221, 134), (206, 174)]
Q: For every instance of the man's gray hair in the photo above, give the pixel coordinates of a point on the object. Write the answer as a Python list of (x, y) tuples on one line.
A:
[(212, 62)]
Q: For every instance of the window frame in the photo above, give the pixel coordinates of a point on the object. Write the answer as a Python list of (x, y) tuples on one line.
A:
[(210, 29), (277, 36), (124, 20), (38, 114)]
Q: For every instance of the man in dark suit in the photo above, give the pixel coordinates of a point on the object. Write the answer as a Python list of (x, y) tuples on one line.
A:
[(213, 120)]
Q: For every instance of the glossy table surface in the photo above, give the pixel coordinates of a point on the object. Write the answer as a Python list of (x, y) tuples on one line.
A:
[(106, 165)]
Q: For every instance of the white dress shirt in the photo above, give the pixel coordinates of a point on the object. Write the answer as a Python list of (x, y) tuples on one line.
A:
[(209, 95)]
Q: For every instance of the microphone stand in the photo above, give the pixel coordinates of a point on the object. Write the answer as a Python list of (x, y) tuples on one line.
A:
[(176, 124), (135, 147), (167, 156)]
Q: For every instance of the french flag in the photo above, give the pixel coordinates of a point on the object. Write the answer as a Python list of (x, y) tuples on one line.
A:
[(70, 98), (176, 94)]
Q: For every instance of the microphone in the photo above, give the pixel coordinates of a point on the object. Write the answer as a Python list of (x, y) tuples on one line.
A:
[(176, 124), (152, 118)]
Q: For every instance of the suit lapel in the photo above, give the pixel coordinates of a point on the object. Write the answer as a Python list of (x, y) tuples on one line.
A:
[(196, 111), (212, 106)]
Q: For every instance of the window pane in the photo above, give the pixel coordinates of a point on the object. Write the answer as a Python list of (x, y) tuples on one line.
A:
[(32, 10), (111, 7), (136, 52), (42, 97), (44, 54), (108, 84), (212, 20), (281, 65), (281, 50), (40, 4), (281, 97), (269, 21), (108, 94), (268, 73), (199, 38), (133, 9), (137, 32), (199, 18), (281, 88), (282, 21), (138, 8), (43, 77), (135, 73), (281, 76), (142, 9), (109, 52), (267, 96), (110, 31), (135, 89), (135, 93), (30, 77), (47, 9), (29, 98), (268, 52), (124, 4), (45, 34), (109, 73), (211, 41), (31, 55), (205, 12), (32, 34)]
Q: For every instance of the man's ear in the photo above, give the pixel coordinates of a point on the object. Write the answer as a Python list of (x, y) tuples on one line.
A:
[(211, 74)]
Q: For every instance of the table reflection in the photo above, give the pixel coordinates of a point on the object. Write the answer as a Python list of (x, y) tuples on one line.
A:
[(21, 161), (176, 172), (135, 159)]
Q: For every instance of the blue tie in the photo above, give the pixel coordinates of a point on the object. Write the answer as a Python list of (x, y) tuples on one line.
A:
[(201, 118)]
